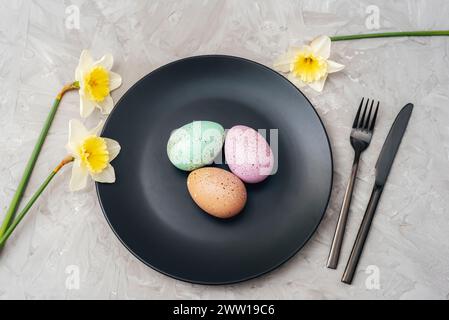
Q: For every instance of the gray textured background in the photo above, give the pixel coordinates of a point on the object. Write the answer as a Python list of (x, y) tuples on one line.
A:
[(409, 238)]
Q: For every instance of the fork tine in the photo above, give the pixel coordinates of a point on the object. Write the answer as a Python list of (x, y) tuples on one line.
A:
[(362, 120), (374, 118), (366, 124), (356, 120)]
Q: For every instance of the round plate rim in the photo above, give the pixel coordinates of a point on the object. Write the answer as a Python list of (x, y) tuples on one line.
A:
[(276, 266)]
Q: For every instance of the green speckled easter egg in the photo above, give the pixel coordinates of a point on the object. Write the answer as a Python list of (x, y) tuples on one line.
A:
[(195, 144)]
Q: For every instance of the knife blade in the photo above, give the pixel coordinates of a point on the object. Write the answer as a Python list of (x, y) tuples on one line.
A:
[(383, 167), (391, 144)]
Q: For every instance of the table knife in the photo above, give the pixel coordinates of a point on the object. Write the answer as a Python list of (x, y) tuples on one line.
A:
[(383, 167)]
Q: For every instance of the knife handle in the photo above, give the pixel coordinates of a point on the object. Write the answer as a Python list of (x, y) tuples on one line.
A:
[(362, 235)]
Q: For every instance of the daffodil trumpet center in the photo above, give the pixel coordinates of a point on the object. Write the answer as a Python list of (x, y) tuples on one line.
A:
[(309, 67), (93, 154), (96, 83)]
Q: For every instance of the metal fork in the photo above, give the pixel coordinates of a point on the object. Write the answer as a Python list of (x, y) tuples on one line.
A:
[(361, 134)]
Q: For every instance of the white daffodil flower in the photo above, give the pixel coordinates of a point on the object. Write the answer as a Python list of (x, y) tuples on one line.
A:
[(96, 81), (308, 65), (92, 155)]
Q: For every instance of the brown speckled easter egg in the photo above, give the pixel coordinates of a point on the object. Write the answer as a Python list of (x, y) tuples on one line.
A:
[(218, 192)]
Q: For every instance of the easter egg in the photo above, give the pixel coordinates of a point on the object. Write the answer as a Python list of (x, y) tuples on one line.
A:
[(217, 191), (248, 154), (195, 144)]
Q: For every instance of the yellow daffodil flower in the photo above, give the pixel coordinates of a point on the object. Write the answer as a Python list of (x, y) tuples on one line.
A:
[(308, 65), (92, 155), (96, 81)]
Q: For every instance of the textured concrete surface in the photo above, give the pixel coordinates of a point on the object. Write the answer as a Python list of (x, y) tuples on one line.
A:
[(66, 238)]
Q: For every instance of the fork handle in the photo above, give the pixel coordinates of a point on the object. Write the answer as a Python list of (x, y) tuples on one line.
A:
[(337, 241), (362, 235)]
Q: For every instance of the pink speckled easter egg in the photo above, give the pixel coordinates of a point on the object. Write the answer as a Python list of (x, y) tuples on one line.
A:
[(248, 154)]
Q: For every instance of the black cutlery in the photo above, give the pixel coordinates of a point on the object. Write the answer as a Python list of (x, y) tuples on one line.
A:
[(383, 167), (361, 134)]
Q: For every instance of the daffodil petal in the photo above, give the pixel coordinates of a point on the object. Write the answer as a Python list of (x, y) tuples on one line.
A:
[(113, 148), (283, 62), (77, 132), (281, 66), (87, 106), (333, 66), (86, 58), (106, 61), (307, 48), (79, 177), (106, 105), (105, 176), (296, 81), (85, 62), (96, 130), (78, 74), (321, 46), (115, 80), (318, 85), (294, 50)]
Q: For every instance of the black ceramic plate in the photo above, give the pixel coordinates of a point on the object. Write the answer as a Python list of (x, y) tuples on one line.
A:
[(149, 207)]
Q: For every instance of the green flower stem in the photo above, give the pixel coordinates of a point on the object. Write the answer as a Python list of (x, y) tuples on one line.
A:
[(32, 161), (392, 34), (33, 199)]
